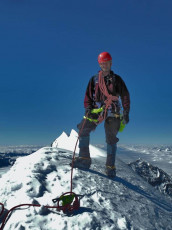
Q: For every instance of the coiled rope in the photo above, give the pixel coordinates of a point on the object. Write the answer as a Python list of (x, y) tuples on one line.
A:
[(110, 99)]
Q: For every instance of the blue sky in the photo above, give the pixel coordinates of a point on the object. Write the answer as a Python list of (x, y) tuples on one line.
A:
[(48, 52)]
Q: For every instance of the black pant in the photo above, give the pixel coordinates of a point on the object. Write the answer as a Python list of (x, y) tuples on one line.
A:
[(111, 126)]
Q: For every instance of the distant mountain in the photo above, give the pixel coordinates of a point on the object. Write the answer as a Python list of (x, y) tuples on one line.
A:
[(6, 161), (159, 155), (153, 175), (9, 154)]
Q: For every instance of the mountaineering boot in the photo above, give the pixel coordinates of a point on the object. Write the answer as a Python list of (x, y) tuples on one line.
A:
[(82, 163), (110, 169), (84, 160)]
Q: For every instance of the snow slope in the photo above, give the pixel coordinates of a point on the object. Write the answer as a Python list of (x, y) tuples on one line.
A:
[(126, 202)]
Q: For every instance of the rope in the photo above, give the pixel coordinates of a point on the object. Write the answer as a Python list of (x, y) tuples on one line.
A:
[(17, 206), (109, 98), (37, 205), (73, 158)]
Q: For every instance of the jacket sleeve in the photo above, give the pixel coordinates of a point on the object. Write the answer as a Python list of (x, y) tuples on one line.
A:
[(125, 96), (88, 100)]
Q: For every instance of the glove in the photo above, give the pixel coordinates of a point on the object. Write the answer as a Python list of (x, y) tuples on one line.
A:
[(125, 117)]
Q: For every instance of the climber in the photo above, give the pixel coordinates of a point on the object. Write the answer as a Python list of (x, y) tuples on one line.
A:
[(104, 92)]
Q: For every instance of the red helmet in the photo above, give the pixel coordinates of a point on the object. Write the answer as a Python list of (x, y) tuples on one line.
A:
[(104, 57)]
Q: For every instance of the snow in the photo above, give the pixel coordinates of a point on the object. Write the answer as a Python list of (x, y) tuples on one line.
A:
[(126, 202), (64, 140), (122, 223)]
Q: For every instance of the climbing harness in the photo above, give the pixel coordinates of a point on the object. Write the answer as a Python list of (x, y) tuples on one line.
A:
[(102, 111), (67, 202), (110, 99)]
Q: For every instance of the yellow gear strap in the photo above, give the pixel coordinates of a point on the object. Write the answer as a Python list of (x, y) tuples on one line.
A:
[(85, 158), (99, 110), (91, 120), (111, 167)]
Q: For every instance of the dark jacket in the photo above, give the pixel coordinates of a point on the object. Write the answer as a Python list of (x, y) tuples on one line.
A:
[(94, 98)]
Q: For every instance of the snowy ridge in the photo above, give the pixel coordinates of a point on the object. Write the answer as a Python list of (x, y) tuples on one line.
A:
[(68, 142), (127, 202)]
